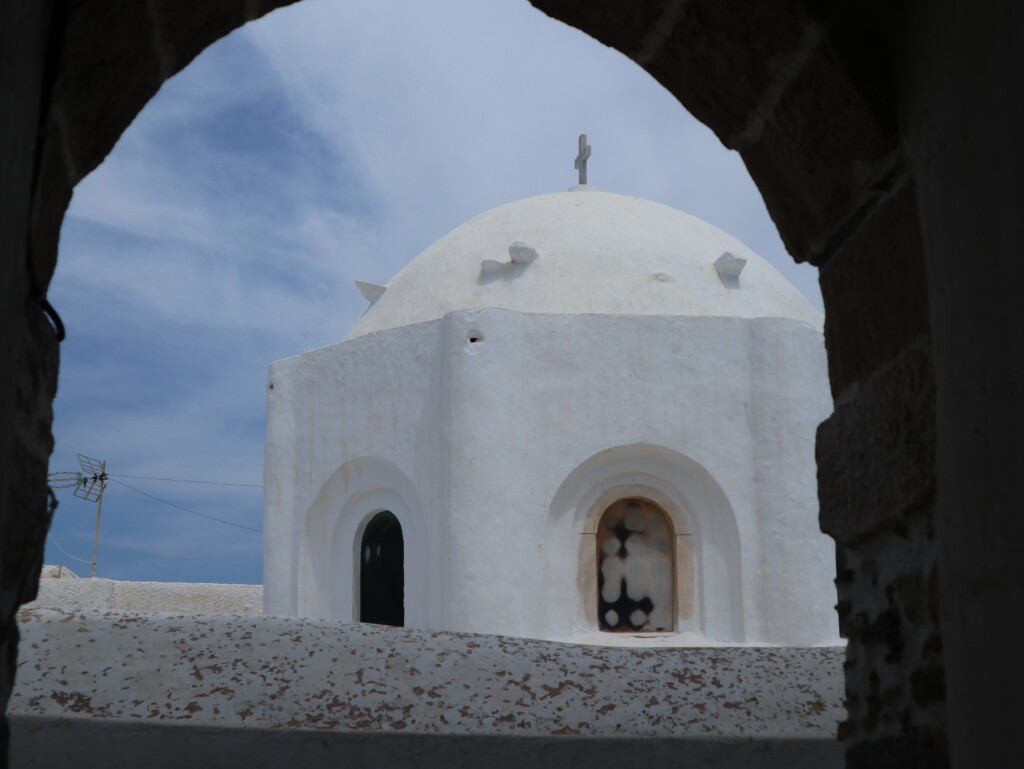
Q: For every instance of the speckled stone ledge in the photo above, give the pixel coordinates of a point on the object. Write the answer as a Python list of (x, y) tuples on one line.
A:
[(261, 673)]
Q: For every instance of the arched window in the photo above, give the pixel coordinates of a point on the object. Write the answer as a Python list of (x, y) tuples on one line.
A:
[(382, 571), (635, 568)]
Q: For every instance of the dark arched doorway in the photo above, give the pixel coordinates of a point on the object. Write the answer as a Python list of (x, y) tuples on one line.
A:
[(382, 571)]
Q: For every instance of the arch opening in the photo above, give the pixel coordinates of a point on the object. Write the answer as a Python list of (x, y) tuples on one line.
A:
[(707, 590), (228, 208), (382, 571)]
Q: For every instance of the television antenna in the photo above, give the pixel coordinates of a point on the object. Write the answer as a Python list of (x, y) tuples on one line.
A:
[(89, 485)]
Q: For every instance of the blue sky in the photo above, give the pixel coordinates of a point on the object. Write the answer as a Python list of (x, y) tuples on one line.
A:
[(326, 142)]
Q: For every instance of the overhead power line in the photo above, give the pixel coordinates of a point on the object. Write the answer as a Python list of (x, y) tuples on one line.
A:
[(72, 557), (186, 509), (182, 480)]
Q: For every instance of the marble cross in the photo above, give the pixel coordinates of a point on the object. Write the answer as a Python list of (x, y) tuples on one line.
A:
[(581, 159)]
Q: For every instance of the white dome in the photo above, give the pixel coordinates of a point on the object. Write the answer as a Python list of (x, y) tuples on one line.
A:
[(597, 252)]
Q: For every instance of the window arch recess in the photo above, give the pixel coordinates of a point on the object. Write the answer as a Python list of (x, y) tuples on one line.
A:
[(327, 550), (683, 591), (709, 597)]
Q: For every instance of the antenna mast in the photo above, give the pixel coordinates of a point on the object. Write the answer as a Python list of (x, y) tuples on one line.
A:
[(91, 483)]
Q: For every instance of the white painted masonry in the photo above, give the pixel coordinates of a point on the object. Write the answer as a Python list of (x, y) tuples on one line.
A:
[(497, 411)]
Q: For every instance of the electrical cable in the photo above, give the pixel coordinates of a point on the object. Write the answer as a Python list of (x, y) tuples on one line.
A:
[(187, 510), (73, 557), (181, 480)]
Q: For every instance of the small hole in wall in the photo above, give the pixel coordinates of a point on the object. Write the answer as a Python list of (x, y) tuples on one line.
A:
[(271, 385), (474, 337)]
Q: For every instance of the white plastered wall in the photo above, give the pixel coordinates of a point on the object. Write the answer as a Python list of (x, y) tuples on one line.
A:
[(739, 400), (353, 429), (473, 426)]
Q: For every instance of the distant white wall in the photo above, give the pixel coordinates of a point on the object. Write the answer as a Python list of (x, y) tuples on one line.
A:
[(174, 597)]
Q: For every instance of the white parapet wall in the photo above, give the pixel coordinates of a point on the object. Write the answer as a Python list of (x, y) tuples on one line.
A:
[(176, 597), (109, 688)]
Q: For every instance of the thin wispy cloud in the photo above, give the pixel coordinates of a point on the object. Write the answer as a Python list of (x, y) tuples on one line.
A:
[(326, 142)]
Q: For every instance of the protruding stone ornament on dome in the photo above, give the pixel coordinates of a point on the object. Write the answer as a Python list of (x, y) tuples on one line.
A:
[(581, 166), (729, 267), (598, 253), (371, 291), (519, 255)]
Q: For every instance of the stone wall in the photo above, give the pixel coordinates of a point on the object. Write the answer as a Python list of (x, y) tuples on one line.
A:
[(895, 685), (272, 691), (876, 485)]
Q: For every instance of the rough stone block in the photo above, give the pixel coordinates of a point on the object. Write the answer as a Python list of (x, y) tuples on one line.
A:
[(185, 29), (820, 184), (24, 528), (895, 683), (710, 54), (109, 69), (53, 194), (723, 60), (620, 24), (876, 453), (875, 292), (117, 53), (761, 75)]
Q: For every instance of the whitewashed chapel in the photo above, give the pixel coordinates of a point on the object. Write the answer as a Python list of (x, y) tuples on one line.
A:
[(580, 416)]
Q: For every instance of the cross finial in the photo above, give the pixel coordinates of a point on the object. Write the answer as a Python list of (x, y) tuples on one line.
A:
[(581, 158)]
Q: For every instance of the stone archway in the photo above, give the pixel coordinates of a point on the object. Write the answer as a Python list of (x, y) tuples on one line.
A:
[(884, 141)]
